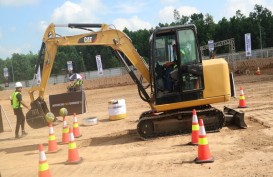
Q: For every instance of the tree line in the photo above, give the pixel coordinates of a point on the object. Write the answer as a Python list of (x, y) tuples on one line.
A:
[(259, 23)]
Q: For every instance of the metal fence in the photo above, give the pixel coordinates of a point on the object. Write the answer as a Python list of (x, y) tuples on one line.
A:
[(260, 53), (89, 75)]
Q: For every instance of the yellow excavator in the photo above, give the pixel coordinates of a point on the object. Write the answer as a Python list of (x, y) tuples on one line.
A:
[(179, 79)]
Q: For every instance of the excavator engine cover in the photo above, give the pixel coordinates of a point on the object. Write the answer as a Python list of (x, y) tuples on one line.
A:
[(35, 117)]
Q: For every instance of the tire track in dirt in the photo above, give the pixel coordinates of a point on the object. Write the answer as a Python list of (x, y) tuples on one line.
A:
[(143, 158)]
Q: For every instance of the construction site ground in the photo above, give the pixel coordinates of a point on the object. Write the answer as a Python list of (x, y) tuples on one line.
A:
[(113, 148)]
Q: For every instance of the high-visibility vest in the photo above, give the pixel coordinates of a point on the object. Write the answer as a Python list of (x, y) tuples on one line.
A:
[(78, 83), (185, 56), (15, 101)]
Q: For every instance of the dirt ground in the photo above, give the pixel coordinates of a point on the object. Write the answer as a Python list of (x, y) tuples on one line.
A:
[(113, 148)]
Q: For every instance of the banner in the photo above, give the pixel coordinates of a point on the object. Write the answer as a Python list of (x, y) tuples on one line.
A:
[(70, 67), (6, 72), (99, 65), (248, 44), (6, 76), (38, 76), (211, 45)]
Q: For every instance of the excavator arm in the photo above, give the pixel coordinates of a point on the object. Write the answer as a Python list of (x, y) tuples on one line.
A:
[(105, 36)]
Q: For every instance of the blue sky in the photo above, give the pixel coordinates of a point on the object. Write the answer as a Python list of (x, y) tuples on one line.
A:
[(22, 22)]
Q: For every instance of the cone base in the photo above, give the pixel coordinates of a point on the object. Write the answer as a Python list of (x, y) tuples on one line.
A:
[(242, 106), (44, 173), (211, 160), (78, 136), (192, 143), (54, 151), (75, 162)]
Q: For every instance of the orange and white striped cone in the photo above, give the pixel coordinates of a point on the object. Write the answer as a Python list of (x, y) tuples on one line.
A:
[(43, 165), (76, 129), (73, 155), (242, 101), (204, 155), (195, 129), (52, 144), (65, 135)]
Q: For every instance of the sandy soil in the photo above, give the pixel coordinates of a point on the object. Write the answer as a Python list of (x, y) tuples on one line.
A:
[(113, 148)]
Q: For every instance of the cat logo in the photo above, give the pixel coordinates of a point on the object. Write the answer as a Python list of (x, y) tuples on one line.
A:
[(88, 39)]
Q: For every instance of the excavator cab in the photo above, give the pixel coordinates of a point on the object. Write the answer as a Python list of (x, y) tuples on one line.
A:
[(177, 65)]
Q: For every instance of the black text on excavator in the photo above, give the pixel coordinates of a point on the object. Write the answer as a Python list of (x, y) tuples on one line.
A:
[(179, 80)]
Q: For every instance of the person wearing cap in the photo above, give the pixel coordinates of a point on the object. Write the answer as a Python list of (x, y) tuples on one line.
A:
[(17, 105)]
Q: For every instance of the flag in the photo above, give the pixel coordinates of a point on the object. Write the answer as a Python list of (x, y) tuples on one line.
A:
[(248, 44), (38, 76), (99, 65)]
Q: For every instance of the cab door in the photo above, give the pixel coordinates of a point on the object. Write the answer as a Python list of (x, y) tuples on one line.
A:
[(177, 65), (190, 70)]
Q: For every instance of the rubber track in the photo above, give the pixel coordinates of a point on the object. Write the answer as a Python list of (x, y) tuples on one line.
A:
[(187, 114)]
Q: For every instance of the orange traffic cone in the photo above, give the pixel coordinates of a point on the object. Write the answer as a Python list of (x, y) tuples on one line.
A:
[(73, 155), (258, 72), (204, 155), (52, 144), (65, 136), (43, 165), (76, 129), (242, 101), (195, 129)]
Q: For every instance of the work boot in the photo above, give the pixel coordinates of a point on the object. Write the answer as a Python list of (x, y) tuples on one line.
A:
[(24, 133)]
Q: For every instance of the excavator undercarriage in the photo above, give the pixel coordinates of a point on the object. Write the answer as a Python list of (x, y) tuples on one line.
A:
[(152, 125)]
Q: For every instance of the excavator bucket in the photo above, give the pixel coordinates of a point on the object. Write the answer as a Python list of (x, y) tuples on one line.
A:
[(233, 117), (35, 117)]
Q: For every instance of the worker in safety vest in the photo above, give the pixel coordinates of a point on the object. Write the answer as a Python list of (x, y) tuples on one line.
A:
[(75, 86), (17, 105)]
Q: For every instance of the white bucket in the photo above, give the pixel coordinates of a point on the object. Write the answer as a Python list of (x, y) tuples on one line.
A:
[(117, 109), (90, 121)]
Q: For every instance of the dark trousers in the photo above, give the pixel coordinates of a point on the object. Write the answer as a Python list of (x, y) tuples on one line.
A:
[(20, 120)]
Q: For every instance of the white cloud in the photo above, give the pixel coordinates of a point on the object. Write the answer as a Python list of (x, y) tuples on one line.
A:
[(130, 8), (1, 35), (82, 12), (133, 23), (168, 1), (166, 14), (70, 12), (18, 2), (42, 26), (187, 10), (245, 6)]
